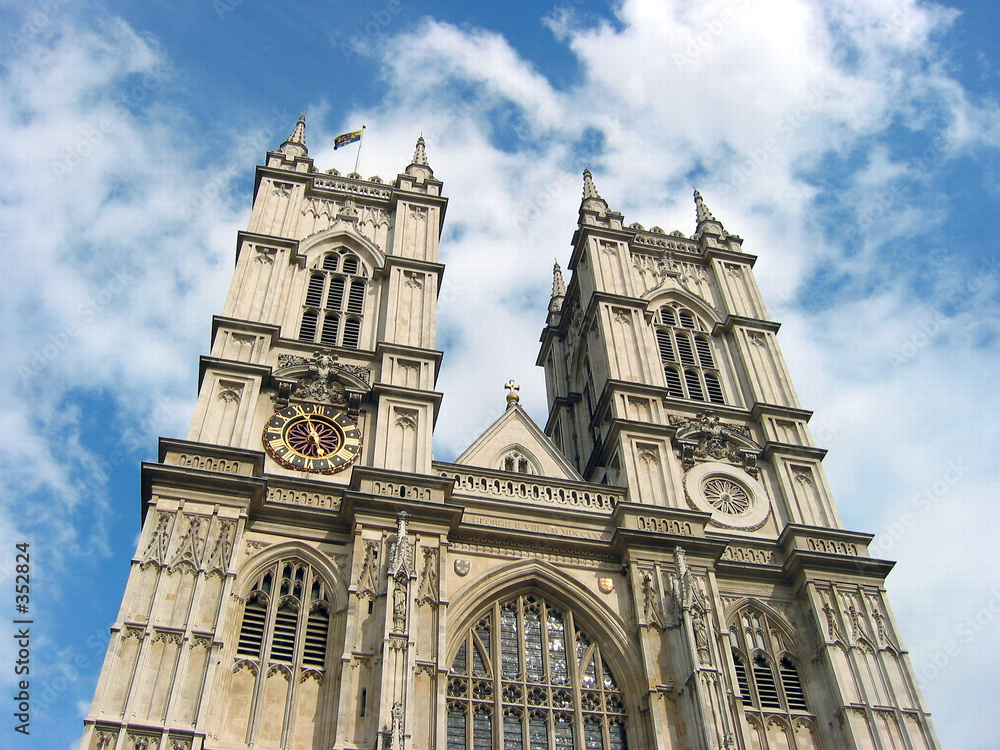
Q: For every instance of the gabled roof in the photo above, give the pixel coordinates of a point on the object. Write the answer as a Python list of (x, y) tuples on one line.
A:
[(516, 431)]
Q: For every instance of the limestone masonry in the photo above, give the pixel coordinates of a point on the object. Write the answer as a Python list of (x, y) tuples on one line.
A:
[(661, 565)]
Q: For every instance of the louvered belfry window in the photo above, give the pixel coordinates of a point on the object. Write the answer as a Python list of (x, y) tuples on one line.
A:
[(286, 618), (334, 307), (766, 676), (685, 346), (526, 678)]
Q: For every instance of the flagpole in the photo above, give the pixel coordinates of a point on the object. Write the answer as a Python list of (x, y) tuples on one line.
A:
[(361, 142)]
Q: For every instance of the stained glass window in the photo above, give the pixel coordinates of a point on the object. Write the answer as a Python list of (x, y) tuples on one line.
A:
[(538, 684)]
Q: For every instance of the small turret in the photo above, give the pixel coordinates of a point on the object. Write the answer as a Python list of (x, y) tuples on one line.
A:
[(558, 289), (294, 146), (707, 223), (419, 168)]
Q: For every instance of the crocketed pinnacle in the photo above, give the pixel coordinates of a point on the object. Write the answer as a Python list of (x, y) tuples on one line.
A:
[(295, 145), (299, 131), (558, 289), (558, 285), (589, 189), (701, 210), (420, 155)]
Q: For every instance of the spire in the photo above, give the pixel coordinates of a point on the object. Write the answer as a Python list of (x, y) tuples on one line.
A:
[(706, 221), (558, 289), (295, 145), (701, 210), (420, 155), (589, 188), (592, 203), (419, 167)]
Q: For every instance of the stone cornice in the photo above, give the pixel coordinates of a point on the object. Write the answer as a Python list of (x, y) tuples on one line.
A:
[(231, 366), (733, 321)]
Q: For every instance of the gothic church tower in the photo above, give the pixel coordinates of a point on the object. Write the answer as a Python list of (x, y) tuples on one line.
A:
[(662, 566)]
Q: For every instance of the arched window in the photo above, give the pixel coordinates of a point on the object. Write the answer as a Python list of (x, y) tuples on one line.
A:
[(686, 353), (336, 287), (766, 677), (286, 617), (516, 461), (526, 678)]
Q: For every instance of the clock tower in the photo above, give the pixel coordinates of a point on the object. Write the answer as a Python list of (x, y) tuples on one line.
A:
[(660, 565)]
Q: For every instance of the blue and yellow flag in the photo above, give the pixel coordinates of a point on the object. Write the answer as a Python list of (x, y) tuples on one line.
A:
[(346, 138)]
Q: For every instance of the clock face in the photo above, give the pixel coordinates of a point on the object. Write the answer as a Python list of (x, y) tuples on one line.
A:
[(312, 437)]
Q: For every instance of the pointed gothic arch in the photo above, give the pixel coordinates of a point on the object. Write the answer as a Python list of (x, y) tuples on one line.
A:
[(534, 574), (657, 298), (280, 670), (692, 357), (530, 662), (515, 457), (765, 657), (311, 249), (258, 561)]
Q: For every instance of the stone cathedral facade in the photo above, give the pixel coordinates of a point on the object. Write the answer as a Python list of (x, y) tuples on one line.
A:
[(660, 566)]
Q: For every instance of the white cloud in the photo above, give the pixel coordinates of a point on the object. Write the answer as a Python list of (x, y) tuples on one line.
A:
[(746, 97), (750, 99)]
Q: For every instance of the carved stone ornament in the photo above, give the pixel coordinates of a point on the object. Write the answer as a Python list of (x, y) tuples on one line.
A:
[(142, 742), (428, 592), (222, 550), (367, 579), (462, 567), (734, 498), (652, 609), (321, 379), (705, 438), (156, 550), (188, 554), (606, 584), (401, 552), (399, 589)]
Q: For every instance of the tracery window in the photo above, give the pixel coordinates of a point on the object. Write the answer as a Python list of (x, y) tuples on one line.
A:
[(516, 461), (286, 618), (686, 354), (766, 675), (525, 678), (334, 307)]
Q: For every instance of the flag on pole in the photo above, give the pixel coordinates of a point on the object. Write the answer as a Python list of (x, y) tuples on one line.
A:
[(346, 138)]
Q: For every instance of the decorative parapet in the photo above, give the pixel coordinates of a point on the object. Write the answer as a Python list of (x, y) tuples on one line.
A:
[(531, 490), (284, 495), (828, 541), (738, 553), (366, 189), (216, 458), (673, 244)]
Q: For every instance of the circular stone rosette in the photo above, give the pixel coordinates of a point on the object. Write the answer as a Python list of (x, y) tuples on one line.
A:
[(734, 498)]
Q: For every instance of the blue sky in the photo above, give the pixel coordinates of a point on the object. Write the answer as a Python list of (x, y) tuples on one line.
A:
[(852, 143)]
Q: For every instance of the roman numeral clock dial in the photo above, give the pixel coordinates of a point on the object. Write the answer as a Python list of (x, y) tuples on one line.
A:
[(312, 437)]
